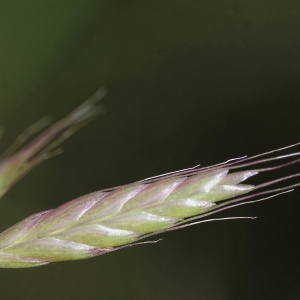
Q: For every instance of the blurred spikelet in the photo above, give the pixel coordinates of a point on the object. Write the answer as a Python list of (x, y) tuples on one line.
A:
[(14, 165)]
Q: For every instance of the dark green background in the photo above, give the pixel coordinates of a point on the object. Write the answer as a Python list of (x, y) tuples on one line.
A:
[(189, 82)]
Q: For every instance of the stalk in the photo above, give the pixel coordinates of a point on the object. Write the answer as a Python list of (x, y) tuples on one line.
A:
[(111, 219)]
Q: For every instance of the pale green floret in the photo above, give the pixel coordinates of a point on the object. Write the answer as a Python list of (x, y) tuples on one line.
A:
[(13, 261), (141, 222), (52, 249), (183, 208), (99, 236)]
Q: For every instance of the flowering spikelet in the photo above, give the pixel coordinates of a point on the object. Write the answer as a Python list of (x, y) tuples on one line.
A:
[(111, 219)]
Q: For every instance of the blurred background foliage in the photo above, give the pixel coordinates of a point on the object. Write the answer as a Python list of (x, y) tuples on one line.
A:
[(189, 82)]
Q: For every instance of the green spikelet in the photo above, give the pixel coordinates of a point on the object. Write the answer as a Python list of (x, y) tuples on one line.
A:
[(105, 220)]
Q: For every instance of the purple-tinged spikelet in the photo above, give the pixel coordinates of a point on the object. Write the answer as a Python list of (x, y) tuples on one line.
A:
[(115, 218)]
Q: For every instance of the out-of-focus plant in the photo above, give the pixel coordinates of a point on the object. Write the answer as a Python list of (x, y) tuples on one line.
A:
[(17, 160)]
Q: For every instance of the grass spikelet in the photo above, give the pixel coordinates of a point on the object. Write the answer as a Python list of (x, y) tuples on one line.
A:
[(115, 218), (14, 165)]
